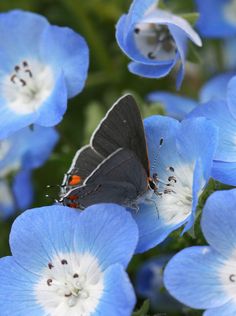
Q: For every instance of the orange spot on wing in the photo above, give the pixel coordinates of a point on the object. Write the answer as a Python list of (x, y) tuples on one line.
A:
[(72, 197), (73, 205), (74, 180)]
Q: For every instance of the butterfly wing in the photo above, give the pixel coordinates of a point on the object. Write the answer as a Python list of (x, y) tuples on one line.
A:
[(119, 179), (122, 127), (84, 162)]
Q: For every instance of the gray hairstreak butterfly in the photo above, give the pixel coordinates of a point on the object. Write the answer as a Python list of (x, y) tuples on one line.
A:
[(114, 167)]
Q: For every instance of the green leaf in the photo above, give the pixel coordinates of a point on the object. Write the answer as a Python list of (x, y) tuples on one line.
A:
[(143, 310), (190, 17)]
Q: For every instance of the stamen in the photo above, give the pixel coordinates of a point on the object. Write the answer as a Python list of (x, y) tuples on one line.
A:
[(64, 261), (171, 169), (29, 72), (136, 30), (68, 295), (172, 178), (232, 277), (75, 275), (17, 68), (151, 55), (49, 282), (23, 82), (13, 77), (50, 265), (25, 64)]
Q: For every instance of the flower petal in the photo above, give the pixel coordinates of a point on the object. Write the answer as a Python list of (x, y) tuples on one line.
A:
[(118, 298), (224, 172), (23, 189), (17, 290), (72, 57), (218, 221), (228, 309), (192, 277), (175, 106), (102, 223), (150, 71), (218, 112)]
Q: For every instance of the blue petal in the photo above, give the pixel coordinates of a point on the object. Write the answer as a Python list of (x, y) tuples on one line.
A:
[(107, 222), (152, 228), (70, 54), (216, 87), (192, 277), (175, 106), (218, 221), (118, 298), (20, 37), (213, 25), (228, 309), (218, 112), (22, 189), (10, 122), (181, 44), (150, 71), (41, 139), (231, 96), (224, 172), (229, 48), (53, 108), (17, 290), (51, 231), (137, 10), (197, 140)]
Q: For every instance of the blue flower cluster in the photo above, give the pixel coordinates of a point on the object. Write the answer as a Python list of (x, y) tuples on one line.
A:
[(67, 262)]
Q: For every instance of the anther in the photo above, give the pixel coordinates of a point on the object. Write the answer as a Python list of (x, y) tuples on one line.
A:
[(136, 30), (25, 64), (17, 68), (161, 141), (172, 178), (232, 278), (29, 72), (151, 55), (13, 78), (23, 82), (68, 295), (64, 261), (49, 282), (75, 275), (50, 265), (171, 169)]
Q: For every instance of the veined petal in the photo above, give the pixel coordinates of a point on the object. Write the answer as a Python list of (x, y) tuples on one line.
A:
[(224, 172), (192, 277), (228, 309), (150, 71), (218, 220)]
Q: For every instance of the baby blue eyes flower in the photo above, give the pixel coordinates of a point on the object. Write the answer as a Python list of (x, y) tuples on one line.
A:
[(204, 276), (155, 40), (41, 65), (75, 265), (180, 156), (20, 153), (217, 18)]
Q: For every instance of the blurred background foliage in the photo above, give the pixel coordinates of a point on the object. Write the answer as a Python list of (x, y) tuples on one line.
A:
[(108, 79)]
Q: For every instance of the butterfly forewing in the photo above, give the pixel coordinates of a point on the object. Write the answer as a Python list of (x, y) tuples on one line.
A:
[(122, 127)]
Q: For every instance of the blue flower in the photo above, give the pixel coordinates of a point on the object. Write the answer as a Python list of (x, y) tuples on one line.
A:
[(217, 18), (69, 263), (149, 284), (174, 105), (41, 66), (178, 106), (20, 153), (204, 276), (155, 40), (223, 114), (181, 156)]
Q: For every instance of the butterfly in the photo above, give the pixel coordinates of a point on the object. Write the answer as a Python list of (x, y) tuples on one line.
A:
[(114, 167)]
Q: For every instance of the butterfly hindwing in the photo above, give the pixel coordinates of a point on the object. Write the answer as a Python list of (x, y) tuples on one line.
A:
[(112, 181)]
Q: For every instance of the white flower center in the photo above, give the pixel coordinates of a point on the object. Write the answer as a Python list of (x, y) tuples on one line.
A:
[(227, 274), (174, 201), (28, 86), (155, 41), (72, 284), (230, 12)]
